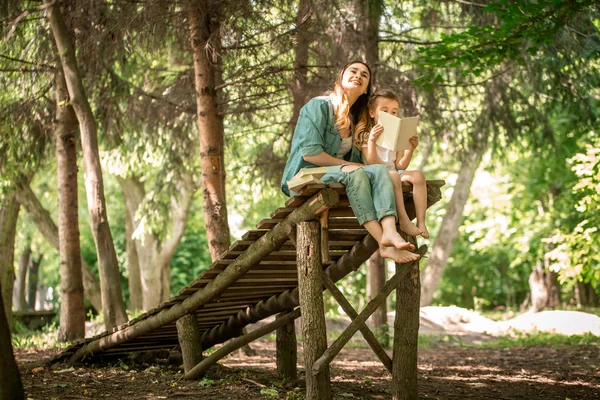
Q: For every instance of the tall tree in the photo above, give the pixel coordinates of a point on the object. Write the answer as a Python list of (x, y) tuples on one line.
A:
[(154, 253), (32, 282), (113, 306), (205, 18), (12, 387), (9, 213), (299, 83), (72, 313), (19, 298)]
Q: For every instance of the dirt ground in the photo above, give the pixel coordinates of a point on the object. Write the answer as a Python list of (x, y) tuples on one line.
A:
[(447, 370)]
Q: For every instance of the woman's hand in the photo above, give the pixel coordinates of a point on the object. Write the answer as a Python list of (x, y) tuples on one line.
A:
[(375, 132), (414, 142)]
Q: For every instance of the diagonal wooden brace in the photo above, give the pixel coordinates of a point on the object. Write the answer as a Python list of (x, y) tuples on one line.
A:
[(355, 325), (364, 329)]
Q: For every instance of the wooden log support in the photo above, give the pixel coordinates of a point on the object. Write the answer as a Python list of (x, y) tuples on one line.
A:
[(314, 333), (286, 351), (351, 312), (266, 244), (190, 341), (324, 221), (406, 334), (237, 343), (339, 343)]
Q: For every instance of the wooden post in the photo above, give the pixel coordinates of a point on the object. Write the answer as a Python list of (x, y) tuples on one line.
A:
[(190, 341), (314, 335), (286, 351), (406, 334), (376, 277)]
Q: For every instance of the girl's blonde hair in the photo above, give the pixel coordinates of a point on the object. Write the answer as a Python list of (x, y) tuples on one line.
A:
[(366, 123), (346, 116)]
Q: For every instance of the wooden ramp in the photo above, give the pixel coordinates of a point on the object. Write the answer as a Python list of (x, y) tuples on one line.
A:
[(254, 279)]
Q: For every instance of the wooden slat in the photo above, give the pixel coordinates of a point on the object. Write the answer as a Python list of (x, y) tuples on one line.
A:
[(242, 245), (283, 255), (334, 223)]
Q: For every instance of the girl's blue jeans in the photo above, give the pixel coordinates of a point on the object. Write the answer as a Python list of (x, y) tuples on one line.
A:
[(369, 188)]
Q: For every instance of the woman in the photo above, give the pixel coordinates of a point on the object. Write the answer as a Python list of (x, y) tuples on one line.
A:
[(323, 137)]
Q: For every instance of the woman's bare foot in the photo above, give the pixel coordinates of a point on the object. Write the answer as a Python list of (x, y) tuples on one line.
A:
[(399, 256), (423, 228), (391, 238), (410, 229)]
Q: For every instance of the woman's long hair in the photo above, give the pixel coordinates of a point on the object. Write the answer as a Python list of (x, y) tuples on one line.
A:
[(346, 116), (364, 126)]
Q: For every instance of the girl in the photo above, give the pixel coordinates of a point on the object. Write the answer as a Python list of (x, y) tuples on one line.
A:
[(396, 162), (323, 137)]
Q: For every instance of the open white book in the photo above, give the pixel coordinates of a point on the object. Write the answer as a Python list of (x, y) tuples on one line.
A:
[(396, 131)]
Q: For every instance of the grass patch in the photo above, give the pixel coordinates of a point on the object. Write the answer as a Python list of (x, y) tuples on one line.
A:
[(542, 339)]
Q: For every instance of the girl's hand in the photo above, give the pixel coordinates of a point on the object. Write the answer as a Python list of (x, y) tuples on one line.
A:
[(414, 142), (375, 132)]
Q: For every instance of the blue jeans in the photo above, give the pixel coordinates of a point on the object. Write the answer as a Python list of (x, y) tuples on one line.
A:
[(369, 189)]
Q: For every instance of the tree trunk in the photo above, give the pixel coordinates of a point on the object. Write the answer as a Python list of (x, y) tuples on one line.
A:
[(72, 313), (32, 284), (152, 255), (446, 237), (585, 295), (406, 334), (9, 214), (19, 298), (286, 352), (11, 387), (375, 281), (372, 11), (554, 297), (133, 192), (46, 226), (537, 288), (299, 85), (205, 20), (113, 306), (188, 334), (314, 334)]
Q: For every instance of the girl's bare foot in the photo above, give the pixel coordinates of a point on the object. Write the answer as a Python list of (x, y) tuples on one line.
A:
[(423, 228), (399, 256), (392, 238), (409, 228)]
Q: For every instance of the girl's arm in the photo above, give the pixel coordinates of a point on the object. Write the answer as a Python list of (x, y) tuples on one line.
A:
[(370, 152), (403, 157), (325, 160)]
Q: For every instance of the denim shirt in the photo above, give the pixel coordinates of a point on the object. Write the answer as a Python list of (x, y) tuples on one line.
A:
[(315, 133)]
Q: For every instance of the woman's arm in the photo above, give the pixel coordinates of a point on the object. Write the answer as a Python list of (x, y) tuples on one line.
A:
[(325, 160), (403, 158)]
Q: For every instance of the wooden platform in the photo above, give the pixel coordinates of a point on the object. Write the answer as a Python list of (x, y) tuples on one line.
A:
[(266, 288)]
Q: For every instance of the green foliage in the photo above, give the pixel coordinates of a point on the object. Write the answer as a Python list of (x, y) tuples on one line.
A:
[(543, 339), (206, 382), (523, 28)]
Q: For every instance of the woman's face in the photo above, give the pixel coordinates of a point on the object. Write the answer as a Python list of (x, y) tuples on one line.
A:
[(355, 79), (389, 106)]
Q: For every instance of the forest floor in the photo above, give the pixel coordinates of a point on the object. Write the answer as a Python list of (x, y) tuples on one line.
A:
[(461, 356)]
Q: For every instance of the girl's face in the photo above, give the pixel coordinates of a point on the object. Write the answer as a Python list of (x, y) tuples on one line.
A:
[(389, 106), (356, 78)]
